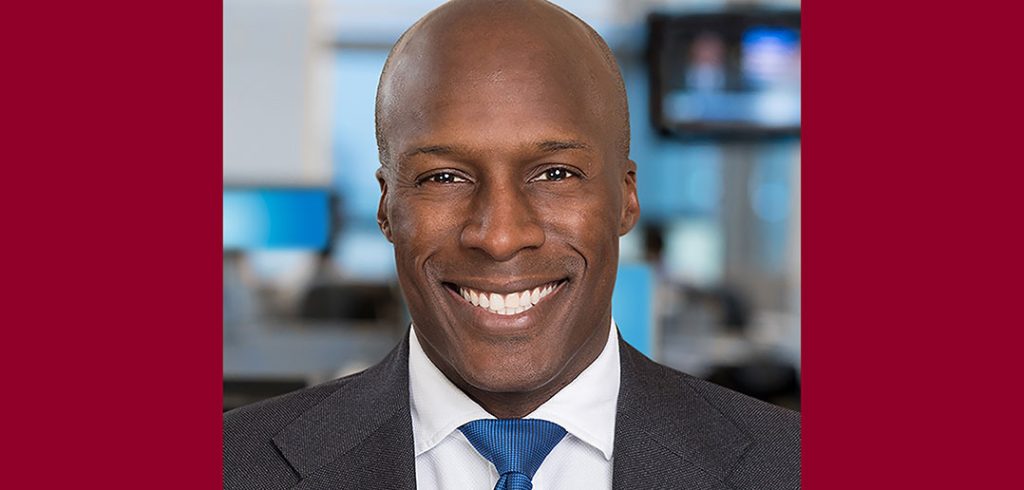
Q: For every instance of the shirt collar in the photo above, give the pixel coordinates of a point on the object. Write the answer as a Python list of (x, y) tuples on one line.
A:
[(585, 407)]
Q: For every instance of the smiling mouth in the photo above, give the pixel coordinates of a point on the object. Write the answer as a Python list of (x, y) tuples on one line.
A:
[(506, 304)]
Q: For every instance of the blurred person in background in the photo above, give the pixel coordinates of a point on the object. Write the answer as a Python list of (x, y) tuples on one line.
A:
[(505, 185)]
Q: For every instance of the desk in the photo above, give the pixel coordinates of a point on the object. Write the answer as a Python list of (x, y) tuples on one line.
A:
[(283, 357)]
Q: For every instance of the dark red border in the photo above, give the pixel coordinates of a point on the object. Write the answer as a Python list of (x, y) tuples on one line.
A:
[(112, 184), (911, 219), (912, 267)]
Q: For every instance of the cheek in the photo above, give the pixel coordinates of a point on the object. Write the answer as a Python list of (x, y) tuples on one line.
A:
[(587, 221), (421, 226), (422, 230)]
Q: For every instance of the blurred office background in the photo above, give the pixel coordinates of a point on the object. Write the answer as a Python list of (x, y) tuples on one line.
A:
[(709, 280)]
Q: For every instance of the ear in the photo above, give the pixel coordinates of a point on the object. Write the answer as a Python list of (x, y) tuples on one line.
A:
[(630, 201), (382, 207)]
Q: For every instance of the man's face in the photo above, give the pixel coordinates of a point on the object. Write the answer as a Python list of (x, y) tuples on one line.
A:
[(505, 201)]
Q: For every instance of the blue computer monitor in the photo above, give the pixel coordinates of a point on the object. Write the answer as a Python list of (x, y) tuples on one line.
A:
[(277, 218)]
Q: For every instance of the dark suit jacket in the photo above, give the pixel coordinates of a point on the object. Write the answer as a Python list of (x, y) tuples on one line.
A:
[(672, 431)]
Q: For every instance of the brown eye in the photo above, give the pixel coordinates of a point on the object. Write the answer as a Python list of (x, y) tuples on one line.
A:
[(555, 174), (445, 178)]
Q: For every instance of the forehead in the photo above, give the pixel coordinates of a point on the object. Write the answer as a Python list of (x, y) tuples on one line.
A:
[(501, 88), (504, 107)]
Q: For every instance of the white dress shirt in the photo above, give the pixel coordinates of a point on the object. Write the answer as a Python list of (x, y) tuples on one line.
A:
[(445, 460)]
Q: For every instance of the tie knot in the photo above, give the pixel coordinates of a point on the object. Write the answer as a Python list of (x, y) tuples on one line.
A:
[(514, 445)]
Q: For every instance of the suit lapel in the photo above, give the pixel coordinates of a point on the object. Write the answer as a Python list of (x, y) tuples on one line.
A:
[(358, 437), (666, 434)]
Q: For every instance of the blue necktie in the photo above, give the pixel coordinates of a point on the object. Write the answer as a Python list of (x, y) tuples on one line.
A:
[(517, 447)]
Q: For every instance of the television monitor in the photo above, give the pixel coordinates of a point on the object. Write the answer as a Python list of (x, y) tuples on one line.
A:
[(725, 74)]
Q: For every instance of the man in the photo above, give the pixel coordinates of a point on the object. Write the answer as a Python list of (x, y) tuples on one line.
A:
[(505, 185)]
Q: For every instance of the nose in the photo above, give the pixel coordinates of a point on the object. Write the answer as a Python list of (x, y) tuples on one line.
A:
[(501, 223)]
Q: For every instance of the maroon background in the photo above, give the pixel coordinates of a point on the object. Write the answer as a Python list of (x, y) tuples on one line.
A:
[(111, 171), (112, 257), (911, 242)]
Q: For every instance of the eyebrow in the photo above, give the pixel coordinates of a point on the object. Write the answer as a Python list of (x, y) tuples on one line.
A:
[(546, 146), (552, 146)]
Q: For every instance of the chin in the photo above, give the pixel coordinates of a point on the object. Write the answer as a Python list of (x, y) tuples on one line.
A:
[(509, 373), (505, 383)]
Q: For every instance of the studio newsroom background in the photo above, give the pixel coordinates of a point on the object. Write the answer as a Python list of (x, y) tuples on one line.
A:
[(709, 281)]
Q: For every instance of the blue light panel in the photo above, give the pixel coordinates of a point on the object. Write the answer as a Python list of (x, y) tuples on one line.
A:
[(633, 306), (276, 219)]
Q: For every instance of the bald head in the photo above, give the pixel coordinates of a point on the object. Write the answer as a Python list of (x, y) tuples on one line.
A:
[(507, 49), (505, 168)]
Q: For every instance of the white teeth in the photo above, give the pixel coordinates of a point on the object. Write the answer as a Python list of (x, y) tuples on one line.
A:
[(507, 304)]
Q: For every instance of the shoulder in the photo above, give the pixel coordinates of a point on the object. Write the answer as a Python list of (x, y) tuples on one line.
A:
[(251, 459), (272, 443), (774, 453), (773, 457), (757, 418), (265, 418), (770, 454)]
